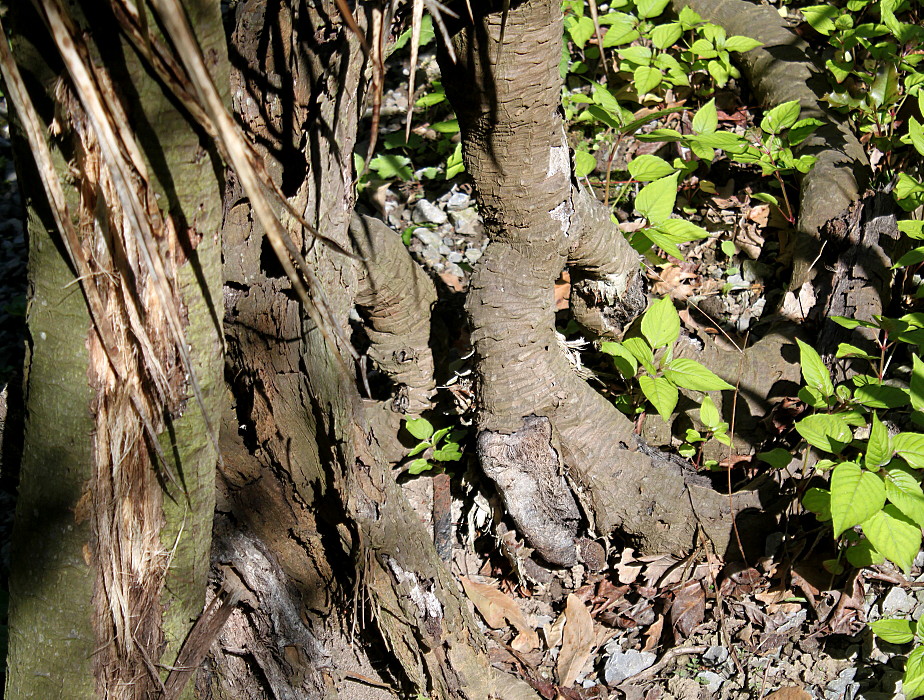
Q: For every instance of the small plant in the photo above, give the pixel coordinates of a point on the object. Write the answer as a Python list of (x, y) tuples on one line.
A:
[(714, 426), (897, 631), (650, 360), (435, 446)]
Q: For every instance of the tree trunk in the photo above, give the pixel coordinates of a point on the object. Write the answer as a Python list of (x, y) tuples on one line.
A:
[(111, 540)]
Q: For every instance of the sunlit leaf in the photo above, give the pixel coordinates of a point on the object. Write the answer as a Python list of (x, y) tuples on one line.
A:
[(825, 431), (661, 323), (661, 393), (856, 495), (894, 535)]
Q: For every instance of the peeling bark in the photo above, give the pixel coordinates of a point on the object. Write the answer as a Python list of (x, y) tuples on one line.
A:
[(515, 151)]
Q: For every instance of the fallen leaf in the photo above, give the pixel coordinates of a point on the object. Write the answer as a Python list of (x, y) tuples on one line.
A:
[(759, 214), (653, 634), (672, 279), (452, 281), (688, 609), (791, 692), (497, 609), (577, 641)]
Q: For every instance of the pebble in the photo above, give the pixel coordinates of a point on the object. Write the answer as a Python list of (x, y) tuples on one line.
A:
[(843, 687), (467, 221), (426, 211), (458, 201), (473, 254), (454, 257), (897, 602), (711, 681), (428, 237), (716, 655), (622, 664)]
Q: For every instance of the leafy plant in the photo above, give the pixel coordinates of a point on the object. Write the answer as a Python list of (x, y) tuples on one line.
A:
[(435, 446), (649, 360)]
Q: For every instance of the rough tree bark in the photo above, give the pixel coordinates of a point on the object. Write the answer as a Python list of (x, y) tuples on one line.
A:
[(110, 543)]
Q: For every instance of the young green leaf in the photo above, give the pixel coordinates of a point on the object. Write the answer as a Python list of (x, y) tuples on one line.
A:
[(650, 8), (910, 447), (879, 447), (642, 352), (706, 120), (666, 35), (623, 359), (584, 163), (682, 231), (646, 79), (913, 681), (894, 535), (821, 17), (778, 458), (917, 383), (661, 324), (420, 428), (661, 393), (656, 201), (893, 631), (418, 466), (646, 168), (825, 431), (690, 374), (709, 414), (781, 117), (814, 372), (904, 490), (819, 502), (856, 495), (741, 43)]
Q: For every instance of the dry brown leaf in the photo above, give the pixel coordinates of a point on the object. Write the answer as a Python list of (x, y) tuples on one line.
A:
[(452, 281), (759, 214), (688, 609), (554, 632), (653, 634), (791, 692), (497, 609), (672, 280), (577, 641)]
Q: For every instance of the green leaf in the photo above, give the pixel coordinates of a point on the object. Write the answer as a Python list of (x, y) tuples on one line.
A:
[(893, 631), (389, 165), (778, 458), (640, 55), (884, 90), (764, 197), (661, 323), (666, 35), (661, 393), (580, 29), (646, 168), (706, 120), (682, 231), (646, 79), (440, 434), (781, 117), (690, 374), (879, 447), (904, 491), (821, 17), (623, 359), (584, 163), (426, 34), (704, 48), (875, 395), (825, 431), (420, 428), (642, 352), (912, 229), (725, 140), (863, 554), (650, 8), (916, 134), (917, 383), (708, 413), (619, 33), (856, 495), (819, 502), (454, 164), (894, 535), (418, 466), (910, 447), (814, 372), (656, 200), (450, 126), (450, 453), (741, 43), (913, 681), (848, 350), (718, 71), (420, 448), (430, 99)]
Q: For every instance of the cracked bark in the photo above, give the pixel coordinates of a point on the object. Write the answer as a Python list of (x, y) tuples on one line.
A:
[(515, 151)]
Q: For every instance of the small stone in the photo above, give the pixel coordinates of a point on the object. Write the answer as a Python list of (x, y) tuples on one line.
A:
[(426, 211), (622, 664), (715, 655), (458, 201), (444, 250), (843, 687), (897, 602), (454, 269), (454, 257), (472, 255), (467, 222), (428, 237), (711, 681)]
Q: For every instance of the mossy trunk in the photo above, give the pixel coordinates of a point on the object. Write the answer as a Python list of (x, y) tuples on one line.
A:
[(111, 542)]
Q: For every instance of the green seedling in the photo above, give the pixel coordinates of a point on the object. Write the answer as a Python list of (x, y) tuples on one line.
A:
[(649, 361), (435, 446)]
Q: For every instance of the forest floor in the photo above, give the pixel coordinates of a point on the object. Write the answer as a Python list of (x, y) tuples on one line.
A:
[(663, 626)]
